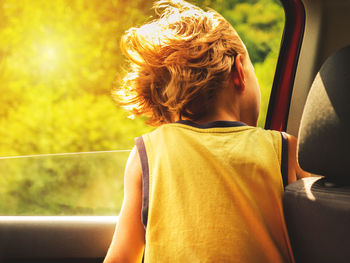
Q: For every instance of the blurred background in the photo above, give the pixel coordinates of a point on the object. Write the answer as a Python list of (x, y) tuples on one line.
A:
[(63, 141)]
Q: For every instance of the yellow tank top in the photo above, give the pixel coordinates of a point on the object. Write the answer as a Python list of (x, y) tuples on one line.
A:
[(214, 194)]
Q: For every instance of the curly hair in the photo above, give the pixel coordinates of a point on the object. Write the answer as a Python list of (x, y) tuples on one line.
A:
[(178, 62)]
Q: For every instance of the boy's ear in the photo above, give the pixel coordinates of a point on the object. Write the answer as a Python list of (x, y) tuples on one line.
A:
[(238, 73)]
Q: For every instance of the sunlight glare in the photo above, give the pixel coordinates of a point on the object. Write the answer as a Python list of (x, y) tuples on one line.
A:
[(48, 58), (49, 53)]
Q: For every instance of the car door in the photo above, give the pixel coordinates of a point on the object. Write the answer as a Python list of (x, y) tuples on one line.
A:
[(64, 143)]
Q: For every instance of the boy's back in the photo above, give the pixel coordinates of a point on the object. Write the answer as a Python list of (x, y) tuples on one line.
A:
[(207, 194), (214, 194)]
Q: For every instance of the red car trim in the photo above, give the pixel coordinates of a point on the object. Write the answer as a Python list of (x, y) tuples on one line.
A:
[(278, 110)]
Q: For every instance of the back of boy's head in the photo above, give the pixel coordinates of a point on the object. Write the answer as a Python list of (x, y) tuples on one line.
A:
[(178, 62)]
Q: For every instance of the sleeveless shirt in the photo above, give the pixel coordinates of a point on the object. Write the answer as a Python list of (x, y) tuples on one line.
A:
[(213, 193)]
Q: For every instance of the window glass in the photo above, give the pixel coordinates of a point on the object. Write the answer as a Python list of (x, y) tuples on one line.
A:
[(63, 141)]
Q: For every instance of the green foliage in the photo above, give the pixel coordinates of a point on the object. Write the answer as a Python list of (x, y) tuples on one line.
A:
[(83, 184), (58, 62), (260, 25)]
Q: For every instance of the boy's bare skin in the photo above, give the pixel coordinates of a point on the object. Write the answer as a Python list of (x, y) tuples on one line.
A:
[(129, 237), (239, 100)]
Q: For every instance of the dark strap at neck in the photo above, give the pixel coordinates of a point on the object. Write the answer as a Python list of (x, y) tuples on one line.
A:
[(213, 124)]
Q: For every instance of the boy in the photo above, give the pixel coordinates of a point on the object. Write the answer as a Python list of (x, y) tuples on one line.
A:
[(206, 185)]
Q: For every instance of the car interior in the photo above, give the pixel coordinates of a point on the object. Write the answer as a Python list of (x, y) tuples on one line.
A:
[(317, 209), (309, 100)]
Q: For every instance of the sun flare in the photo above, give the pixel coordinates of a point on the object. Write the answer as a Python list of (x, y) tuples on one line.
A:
[(49, 53), (48, 58)]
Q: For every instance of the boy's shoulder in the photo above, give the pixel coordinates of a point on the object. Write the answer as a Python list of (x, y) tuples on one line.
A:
[(214, 128)]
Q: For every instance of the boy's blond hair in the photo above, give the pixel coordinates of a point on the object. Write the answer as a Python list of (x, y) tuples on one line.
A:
[(177, 62)]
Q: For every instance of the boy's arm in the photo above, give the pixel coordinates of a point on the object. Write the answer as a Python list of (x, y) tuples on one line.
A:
[(129, 237), (294, 170)]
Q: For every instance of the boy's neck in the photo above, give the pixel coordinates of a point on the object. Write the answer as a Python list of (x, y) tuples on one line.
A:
[(218, 116), (232, 105), (228, 106), (225, 108)]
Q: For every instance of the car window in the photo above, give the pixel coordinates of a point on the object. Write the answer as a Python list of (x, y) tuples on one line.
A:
[(63, 141)]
